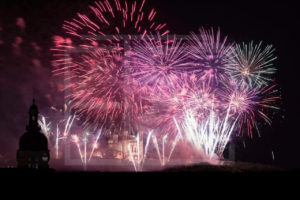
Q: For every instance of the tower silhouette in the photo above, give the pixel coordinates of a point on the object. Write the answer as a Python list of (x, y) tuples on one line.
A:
[(33, 146)]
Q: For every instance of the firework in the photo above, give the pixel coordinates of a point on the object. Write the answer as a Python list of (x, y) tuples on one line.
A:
[(161, 145), (199, 91), (46, 130), (138, 163), (251, 103), (114, 21), (185, 92), (146, 147), (161, 154), (76, 140), (93, 65), (132, 158), (110, 24), (155, 60), (103, 94), (252, 64), (210, 54), (86, 145), (135, 160), (210, 135), (55, 133), (174, 143), (95, 144)]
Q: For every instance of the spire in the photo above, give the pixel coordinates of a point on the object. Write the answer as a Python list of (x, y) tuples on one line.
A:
[(33, 125)]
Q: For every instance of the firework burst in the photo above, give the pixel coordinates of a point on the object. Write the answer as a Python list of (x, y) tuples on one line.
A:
[(119, 76), (185, 92), (102, 93), (253, 64), (111, 22), (155, 60), (210, 55), (92, 61), (251, 103)]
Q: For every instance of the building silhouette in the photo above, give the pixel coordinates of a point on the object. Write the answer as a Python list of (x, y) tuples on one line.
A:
[(33, 150)]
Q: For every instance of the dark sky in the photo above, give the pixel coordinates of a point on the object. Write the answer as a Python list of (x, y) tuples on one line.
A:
[(272, 22)]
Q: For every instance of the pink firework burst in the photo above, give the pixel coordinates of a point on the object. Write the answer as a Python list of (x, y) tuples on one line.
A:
[(154, 61), (210, 55), (185, 92), (91, 61), (102, 93), (250, 103), (113, 21)]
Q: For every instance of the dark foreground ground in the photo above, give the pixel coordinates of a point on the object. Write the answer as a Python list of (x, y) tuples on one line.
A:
[(238, 168), (230, 176), (231, 168)]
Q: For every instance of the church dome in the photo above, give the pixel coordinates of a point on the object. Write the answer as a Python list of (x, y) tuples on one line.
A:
[(33, 146), (33, 142), (33, 139)]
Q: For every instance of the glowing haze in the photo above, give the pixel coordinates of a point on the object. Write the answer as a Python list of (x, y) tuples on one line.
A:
[(123, 71)]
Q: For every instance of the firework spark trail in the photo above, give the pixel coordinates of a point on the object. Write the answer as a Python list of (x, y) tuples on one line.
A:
[(146, 147), (174, 143), (95, 144), (252, 64), (45, 127), (209, 136), (161, 155), (226, 132), (131, 157), (179, 130), (65, 133), (273, 156), (86, 151), (139, 163), (58, 135), (154, 140), (85, 140), (163, 149), (68, 125), (75, 139), (56, 141), (138, 149)]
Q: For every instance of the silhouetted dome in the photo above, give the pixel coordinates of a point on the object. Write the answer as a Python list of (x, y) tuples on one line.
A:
[(33, 146), (33, 142)]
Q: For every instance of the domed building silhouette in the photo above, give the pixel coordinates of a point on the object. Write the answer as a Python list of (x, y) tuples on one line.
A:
[(33, 146)]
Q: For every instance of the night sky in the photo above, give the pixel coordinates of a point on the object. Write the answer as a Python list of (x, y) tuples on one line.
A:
[(25, 67)]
